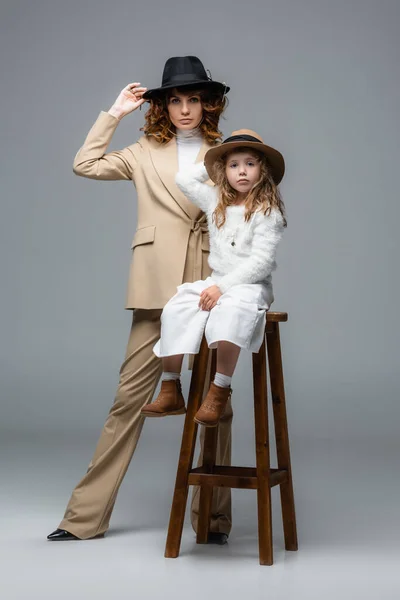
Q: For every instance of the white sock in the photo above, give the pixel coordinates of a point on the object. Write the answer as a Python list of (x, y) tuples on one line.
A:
[(167, 376), (223, 381)]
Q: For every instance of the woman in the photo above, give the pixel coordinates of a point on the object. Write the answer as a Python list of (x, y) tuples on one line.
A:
[(170, 247)]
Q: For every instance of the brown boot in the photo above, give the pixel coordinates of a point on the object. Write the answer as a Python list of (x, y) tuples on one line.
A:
[(169, 401), (213, 406)]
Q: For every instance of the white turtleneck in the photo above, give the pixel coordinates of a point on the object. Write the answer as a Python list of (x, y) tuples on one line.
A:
[(189, 143)]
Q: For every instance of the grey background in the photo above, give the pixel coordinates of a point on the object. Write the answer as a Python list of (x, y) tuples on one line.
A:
[(320, 81)]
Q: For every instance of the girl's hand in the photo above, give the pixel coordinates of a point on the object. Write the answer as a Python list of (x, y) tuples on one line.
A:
[(129, 99), (209, 297)]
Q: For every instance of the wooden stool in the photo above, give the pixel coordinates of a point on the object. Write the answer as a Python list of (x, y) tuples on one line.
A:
[(260, 478)]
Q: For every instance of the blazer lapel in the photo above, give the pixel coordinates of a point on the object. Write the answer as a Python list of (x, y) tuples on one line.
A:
[(165, 162)]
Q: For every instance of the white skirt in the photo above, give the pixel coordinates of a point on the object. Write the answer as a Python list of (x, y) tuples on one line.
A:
[(238, 317)]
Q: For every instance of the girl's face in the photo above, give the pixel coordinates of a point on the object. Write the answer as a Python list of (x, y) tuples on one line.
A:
[(243, 170), (185, 110)]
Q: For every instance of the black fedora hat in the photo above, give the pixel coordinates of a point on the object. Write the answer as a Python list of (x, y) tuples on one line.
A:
[(182, 71)]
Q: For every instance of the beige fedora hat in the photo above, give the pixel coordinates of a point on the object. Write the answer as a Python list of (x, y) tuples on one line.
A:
[(246, 138)]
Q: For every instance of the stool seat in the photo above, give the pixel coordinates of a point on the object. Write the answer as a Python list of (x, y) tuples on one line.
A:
[(262, 477), (277, 317)]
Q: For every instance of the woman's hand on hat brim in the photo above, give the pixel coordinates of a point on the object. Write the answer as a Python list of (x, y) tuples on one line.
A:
[(128, 100)]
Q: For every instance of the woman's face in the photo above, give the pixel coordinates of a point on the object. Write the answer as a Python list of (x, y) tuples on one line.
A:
[(243, 170), (185, 110)]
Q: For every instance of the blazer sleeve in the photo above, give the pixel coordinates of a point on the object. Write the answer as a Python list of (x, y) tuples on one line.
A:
[(92, 161), (191, 181), (260, 264)]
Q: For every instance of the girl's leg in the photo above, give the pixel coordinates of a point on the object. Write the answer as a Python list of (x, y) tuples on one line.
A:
[(182, 327), (172, 365), (182, 323), (227, 357), (170, 400), (215, 402)]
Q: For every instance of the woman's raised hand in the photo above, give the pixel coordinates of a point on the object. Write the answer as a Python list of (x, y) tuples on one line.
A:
[(128, 100)]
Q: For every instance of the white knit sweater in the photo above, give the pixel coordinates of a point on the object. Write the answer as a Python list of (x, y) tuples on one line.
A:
[(251, 258)]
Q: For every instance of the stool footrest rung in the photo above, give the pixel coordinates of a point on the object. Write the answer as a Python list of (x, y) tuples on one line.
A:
[(234, 477)]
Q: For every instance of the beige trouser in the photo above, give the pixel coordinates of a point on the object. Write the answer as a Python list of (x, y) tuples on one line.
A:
[(89, 509)]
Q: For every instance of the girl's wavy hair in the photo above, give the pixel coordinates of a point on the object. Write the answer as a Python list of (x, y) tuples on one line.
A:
[(263, 197), (158, 124)]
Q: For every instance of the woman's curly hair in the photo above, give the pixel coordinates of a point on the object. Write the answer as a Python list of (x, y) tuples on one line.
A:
[(263, 197), (158, 124)]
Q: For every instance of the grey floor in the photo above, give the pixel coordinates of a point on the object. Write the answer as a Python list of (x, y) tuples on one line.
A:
[(347, 500)]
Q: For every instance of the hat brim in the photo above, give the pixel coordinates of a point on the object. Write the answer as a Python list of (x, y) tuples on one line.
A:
[(157, 92), (274, 157)]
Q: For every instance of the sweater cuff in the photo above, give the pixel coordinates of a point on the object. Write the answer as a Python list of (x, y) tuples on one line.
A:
[(224, 285)]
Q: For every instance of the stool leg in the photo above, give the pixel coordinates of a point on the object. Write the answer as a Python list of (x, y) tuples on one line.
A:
[(281, 434), (209, 456), (262, 456), (179, 501)]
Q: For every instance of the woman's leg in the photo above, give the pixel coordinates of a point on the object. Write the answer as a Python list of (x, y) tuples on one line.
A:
[(221, 508), (89, 509)]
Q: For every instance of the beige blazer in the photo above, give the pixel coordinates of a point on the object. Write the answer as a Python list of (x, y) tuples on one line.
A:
[(168, 223)]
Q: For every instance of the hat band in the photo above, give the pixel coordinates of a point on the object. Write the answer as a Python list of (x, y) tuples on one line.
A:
[(242, 138), (185, 77)]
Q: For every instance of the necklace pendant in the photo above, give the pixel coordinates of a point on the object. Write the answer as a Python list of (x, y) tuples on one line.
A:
[(233, 244)]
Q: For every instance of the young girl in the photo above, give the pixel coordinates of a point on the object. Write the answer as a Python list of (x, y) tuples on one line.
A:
[(246, 219)]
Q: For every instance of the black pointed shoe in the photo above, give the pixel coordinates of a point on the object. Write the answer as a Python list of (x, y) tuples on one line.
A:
[(60, 535), (215, 537)]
